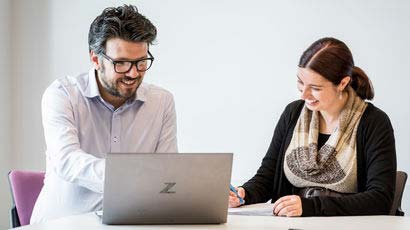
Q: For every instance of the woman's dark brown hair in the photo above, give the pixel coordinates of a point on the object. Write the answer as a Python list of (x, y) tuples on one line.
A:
[(332, 59)]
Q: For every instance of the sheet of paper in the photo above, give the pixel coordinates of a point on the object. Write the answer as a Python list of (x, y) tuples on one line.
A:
[(99, 213), (261, 209)]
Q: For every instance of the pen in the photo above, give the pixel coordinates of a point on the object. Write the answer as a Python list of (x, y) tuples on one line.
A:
[(241, 201)]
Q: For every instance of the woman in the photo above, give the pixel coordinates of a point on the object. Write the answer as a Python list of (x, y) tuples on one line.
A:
[(332, 153)]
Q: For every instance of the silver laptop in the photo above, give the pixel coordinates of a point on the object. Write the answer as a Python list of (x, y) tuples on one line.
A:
[(158, 188)]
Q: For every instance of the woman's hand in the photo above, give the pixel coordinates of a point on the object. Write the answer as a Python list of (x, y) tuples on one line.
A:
[(288, 206), (234, 200)]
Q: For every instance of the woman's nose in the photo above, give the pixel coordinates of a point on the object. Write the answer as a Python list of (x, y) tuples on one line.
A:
[(304, 93)]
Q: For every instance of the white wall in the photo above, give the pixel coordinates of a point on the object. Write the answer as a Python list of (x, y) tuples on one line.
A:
[(5, 119), (230, 64), (31, 67)]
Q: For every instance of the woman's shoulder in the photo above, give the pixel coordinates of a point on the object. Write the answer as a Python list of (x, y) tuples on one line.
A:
[(374, 116), (294, 106), (292, 111), (374, 113)]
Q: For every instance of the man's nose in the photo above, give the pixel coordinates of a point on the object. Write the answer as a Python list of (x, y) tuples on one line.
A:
[(133, 72)]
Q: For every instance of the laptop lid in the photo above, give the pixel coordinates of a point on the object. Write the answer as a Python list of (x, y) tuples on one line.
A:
[(158, 188)]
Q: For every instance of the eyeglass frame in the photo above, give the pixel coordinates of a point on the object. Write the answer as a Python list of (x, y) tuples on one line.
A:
[(114, 62)]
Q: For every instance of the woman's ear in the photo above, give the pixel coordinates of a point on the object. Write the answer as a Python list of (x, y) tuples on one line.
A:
[(344, 83), (94, 60)]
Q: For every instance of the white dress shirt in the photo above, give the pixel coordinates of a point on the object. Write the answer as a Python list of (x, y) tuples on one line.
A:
[(80, 128)]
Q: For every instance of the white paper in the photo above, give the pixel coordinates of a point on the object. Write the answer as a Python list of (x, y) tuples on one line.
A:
[(261, 209), (99, 213)]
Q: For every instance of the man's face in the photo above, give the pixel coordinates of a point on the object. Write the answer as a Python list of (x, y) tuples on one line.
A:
[(121, 85)]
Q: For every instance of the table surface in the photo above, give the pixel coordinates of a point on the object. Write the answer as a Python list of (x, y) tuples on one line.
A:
[(90, 221)]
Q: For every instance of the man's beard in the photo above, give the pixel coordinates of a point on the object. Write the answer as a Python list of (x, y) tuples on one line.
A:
[(111, 87)]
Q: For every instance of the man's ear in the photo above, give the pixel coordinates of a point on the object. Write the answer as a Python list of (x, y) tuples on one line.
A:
[(344, 83), (94, 60)]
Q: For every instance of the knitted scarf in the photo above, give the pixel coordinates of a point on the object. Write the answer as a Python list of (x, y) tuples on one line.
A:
[(334, 165)]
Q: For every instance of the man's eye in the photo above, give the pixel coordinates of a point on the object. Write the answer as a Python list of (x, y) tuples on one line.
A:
[(121, 63)]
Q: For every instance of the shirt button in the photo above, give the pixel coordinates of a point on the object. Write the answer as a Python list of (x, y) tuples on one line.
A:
[(115, 139)]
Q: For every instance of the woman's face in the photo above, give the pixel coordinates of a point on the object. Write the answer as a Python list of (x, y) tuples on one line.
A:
[(318, 93)]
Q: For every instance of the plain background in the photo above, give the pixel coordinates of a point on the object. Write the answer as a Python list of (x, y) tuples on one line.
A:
[(230, 64)]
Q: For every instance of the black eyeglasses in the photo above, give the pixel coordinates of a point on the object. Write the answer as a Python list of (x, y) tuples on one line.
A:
[(142, 64)]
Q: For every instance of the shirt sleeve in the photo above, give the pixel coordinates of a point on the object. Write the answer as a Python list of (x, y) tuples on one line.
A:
[(167, 142), (64, 154)]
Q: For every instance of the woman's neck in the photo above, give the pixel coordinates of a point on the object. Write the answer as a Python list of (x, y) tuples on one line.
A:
[(329, 119)]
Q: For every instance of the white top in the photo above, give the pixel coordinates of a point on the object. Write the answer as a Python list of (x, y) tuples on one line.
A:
[(80, 128)]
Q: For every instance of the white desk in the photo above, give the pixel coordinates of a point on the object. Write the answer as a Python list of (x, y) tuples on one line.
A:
[(90, 221)]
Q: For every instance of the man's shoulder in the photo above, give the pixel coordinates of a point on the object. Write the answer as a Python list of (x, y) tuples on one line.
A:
[(154, 91), (70, 82)]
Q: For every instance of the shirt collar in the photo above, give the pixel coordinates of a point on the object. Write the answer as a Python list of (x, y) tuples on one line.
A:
[(91, 90)]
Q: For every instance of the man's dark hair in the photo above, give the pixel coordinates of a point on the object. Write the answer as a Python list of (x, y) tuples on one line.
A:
[(120, 22)]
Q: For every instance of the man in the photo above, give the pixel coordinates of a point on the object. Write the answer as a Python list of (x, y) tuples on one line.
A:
[(106, 110)]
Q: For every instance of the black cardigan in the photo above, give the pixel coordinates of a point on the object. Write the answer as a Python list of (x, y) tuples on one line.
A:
[(376, 168)]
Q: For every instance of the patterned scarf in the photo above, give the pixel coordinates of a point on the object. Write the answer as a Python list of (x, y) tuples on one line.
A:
[(334, 165)]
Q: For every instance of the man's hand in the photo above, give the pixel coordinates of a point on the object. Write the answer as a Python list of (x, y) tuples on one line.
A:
[(288, 206)]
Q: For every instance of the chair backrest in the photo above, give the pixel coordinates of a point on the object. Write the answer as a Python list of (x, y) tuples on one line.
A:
[(401, 178), (25, 188)]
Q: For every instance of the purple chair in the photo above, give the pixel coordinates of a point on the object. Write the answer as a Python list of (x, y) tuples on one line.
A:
[(25, 188)]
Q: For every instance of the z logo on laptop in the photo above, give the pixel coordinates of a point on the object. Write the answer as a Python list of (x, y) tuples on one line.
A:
[(168, 187)]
